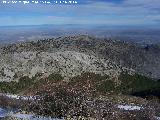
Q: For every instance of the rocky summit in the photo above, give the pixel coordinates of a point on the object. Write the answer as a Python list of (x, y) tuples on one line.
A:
[(70, 56)]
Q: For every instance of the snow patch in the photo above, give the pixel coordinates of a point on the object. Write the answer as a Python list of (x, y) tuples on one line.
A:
[(157, 118), (21, 97), (23, 116), (33, 117), (129, 107)]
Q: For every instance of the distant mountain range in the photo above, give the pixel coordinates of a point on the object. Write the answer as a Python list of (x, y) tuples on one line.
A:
[(12, 34)]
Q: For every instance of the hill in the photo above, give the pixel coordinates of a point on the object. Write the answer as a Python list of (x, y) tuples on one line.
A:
[(72, 55), (77, 76)]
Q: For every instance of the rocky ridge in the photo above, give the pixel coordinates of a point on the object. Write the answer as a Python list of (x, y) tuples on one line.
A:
[(72, 55)]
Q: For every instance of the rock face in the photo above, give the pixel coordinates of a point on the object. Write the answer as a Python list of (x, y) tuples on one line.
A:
[(70, 56), (67, 63)]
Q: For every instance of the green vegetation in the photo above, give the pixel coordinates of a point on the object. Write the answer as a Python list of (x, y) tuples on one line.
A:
[(100, 82), (88, 76), (55, 77), (25, 82), (106, 86), (135, 83), (15, 87), (129, 83)]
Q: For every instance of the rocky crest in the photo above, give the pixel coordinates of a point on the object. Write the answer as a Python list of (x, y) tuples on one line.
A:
[(70, 56)]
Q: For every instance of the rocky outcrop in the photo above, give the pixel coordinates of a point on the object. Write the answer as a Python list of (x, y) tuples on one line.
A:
[(70, 56), (67, 63)]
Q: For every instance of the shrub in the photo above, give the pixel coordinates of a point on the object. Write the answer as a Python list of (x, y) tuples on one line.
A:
[(136, 83), (106, 86), (88, 76), (15, 87), (55, 77)]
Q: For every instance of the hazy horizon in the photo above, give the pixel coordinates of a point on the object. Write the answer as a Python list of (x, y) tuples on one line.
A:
[(136, 20), (11, 34)]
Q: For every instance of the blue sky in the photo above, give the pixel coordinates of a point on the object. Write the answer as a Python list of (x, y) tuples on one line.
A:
[(96, 12)]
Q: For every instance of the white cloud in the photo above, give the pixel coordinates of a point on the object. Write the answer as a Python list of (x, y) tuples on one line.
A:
[(128, 12), (143, 3)]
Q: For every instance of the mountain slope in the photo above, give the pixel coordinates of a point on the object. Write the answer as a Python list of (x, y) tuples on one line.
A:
[(72, 55)]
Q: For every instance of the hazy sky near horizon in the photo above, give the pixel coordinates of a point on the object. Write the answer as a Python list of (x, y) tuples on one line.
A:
[(97, 12)]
